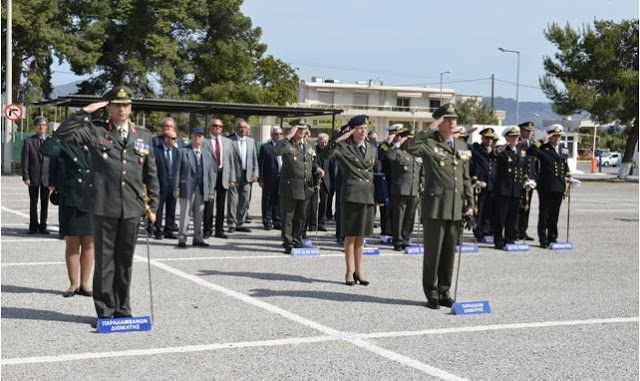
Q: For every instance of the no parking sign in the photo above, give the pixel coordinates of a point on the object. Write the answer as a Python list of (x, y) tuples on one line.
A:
[(14, 111)]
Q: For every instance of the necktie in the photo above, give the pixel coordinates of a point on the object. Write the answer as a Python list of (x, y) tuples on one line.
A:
[(301, 147), (450, 143), (198, 155), (363, 150), (123, 132), (167, 154), (218, 152)]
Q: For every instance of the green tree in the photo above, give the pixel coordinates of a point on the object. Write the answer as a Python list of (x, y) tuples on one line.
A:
[(43, 30), (473, 111), (598, 68)]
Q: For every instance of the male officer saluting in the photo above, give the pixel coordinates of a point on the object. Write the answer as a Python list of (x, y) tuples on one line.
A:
[(406, 182), (296, 183), (531, 174), (122, 164), (447, 198)]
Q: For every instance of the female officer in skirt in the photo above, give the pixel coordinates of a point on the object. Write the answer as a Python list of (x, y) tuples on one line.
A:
[(75, 225), (356, 159)]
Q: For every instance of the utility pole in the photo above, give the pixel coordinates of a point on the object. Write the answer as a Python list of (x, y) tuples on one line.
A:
[(492, 92), (8, 124)]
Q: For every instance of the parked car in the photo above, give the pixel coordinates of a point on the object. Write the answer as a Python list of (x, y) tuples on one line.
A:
[(611, 159), (600, 152)]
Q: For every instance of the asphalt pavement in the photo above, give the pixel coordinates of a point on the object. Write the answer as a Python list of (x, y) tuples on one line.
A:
[(243, 310)]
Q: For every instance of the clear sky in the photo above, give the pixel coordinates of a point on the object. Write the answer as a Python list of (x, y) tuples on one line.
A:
[(410, 42)]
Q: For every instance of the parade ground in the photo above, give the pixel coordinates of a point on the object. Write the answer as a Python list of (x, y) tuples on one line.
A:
[(243, 310)]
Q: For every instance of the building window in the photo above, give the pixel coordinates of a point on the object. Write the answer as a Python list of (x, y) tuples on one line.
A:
[(360, 100), (403, 104), (325, 97), (434, 104)]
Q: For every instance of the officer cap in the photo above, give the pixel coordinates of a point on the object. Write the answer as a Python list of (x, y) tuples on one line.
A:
[(487, 132), (118, 94), (527, 126), (461, 131), (395, 127), (299, 122), (358, 120), (555, 129), (511, 131), (197, 131), (447, 110)]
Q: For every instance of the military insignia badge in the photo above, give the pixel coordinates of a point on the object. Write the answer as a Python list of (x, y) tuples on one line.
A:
[(121, 93), (105, 156), (141, 148), (419, 160)]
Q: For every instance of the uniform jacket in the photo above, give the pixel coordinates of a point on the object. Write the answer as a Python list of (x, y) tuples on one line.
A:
[(406, 170), (298, 168), (483, 166), (356, 171), (35, 166), (166, 174), (252, 157), (268, 164), (531, 160), (511, 171), (118, 169), (185, 179), (553, 169), (71, 180), (447, 185), (228, 167)]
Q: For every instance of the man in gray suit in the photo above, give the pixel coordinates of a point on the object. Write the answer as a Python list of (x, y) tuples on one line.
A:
[(246, 172), (220, 149), (193, 183)]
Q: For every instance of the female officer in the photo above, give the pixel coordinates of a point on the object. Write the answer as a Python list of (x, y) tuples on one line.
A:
[(75, 225), (356, 159)]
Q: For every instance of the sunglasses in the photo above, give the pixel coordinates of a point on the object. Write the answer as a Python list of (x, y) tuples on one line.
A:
[(216, 125)]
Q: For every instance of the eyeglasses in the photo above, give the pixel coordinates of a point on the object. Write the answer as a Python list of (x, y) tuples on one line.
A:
[(277, 133), (173, 138), (216, 125)]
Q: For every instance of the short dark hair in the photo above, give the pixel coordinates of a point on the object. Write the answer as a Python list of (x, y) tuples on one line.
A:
[(39, 119)]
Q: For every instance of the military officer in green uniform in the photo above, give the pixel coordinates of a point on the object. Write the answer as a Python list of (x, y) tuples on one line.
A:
[(448, 197), (296, 182), (406, 184), (122, 165)]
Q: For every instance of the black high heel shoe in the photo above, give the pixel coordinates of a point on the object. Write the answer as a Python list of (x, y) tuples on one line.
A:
[(69, 293), (349, 282), (357, 279)]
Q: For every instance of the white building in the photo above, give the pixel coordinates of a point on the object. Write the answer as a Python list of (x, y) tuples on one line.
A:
[(385, 105)]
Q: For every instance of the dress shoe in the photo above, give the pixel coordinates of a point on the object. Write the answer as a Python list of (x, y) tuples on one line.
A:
[(32, 231), (397, 247), (433, 303), (349, 282), (84, 292), (206, 235), (200, 244), (277, 226), (247, 220), (221, 235), (182, 245), (231, 230), (69, 293), (287, 250), (170, 236), (243, 229), (499, 246), (158, 236), (44, 231), (544, 245), (268, 227), (94, 324), (322, 229), (121, 315), (357, 279), (446, 301)]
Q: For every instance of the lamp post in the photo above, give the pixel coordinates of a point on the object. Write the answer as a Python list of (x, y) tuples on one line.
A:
[(441, 74), (517, 80)]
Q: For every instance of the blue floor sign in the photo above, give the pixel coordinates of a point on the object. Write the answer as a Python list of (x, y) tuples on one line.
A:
[(371, 251), (561, 246), (305, 251), (414, 250), (517, 247), (468, 248), (471, 308), (126, 324)]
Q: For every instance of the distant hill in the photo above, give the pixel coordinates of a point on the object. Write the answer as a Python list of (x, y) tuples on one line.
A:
[(528, 111), (66, 89)]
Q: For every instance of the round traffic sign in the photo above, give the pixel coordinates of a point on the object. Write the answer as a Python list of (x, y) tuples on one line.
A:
[(14, 111)]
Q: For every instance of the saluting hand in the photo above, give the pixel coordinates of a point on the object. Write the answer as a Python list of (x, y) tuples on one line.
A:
[(436, 123), (94, 106)]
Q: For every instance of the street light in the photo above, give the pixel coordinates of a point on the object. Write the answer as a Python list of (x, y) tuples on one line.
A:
[(441, 74), (517, 80)]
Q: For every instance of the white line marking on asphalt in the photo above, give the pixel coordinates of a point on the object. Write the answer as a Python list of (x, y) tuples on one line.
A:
[(15, 212), (308, 323), (282, 256)]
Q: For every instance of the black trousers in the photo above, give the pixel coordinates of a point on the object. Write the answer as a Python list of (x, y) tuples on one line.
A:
[(485, 200), (35, 193), (523, 216), (311, 214), (221, 196), (549, 210), (385, 219), (505, 218), (115, 243), (270, 204), (168, 202)]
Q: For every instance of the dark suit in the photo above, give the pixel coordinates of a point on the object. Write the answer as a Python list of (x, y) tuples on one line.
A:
[(120, 168), (483, 168), (35, 168), (508, 190), (166, 172), (269, 177), (324, 187), (552, 179), (159, 139), (531, 173)]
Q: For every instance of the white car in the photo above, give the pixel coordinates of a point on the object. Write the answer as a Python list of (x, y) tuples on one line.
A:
[(611, 159)]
